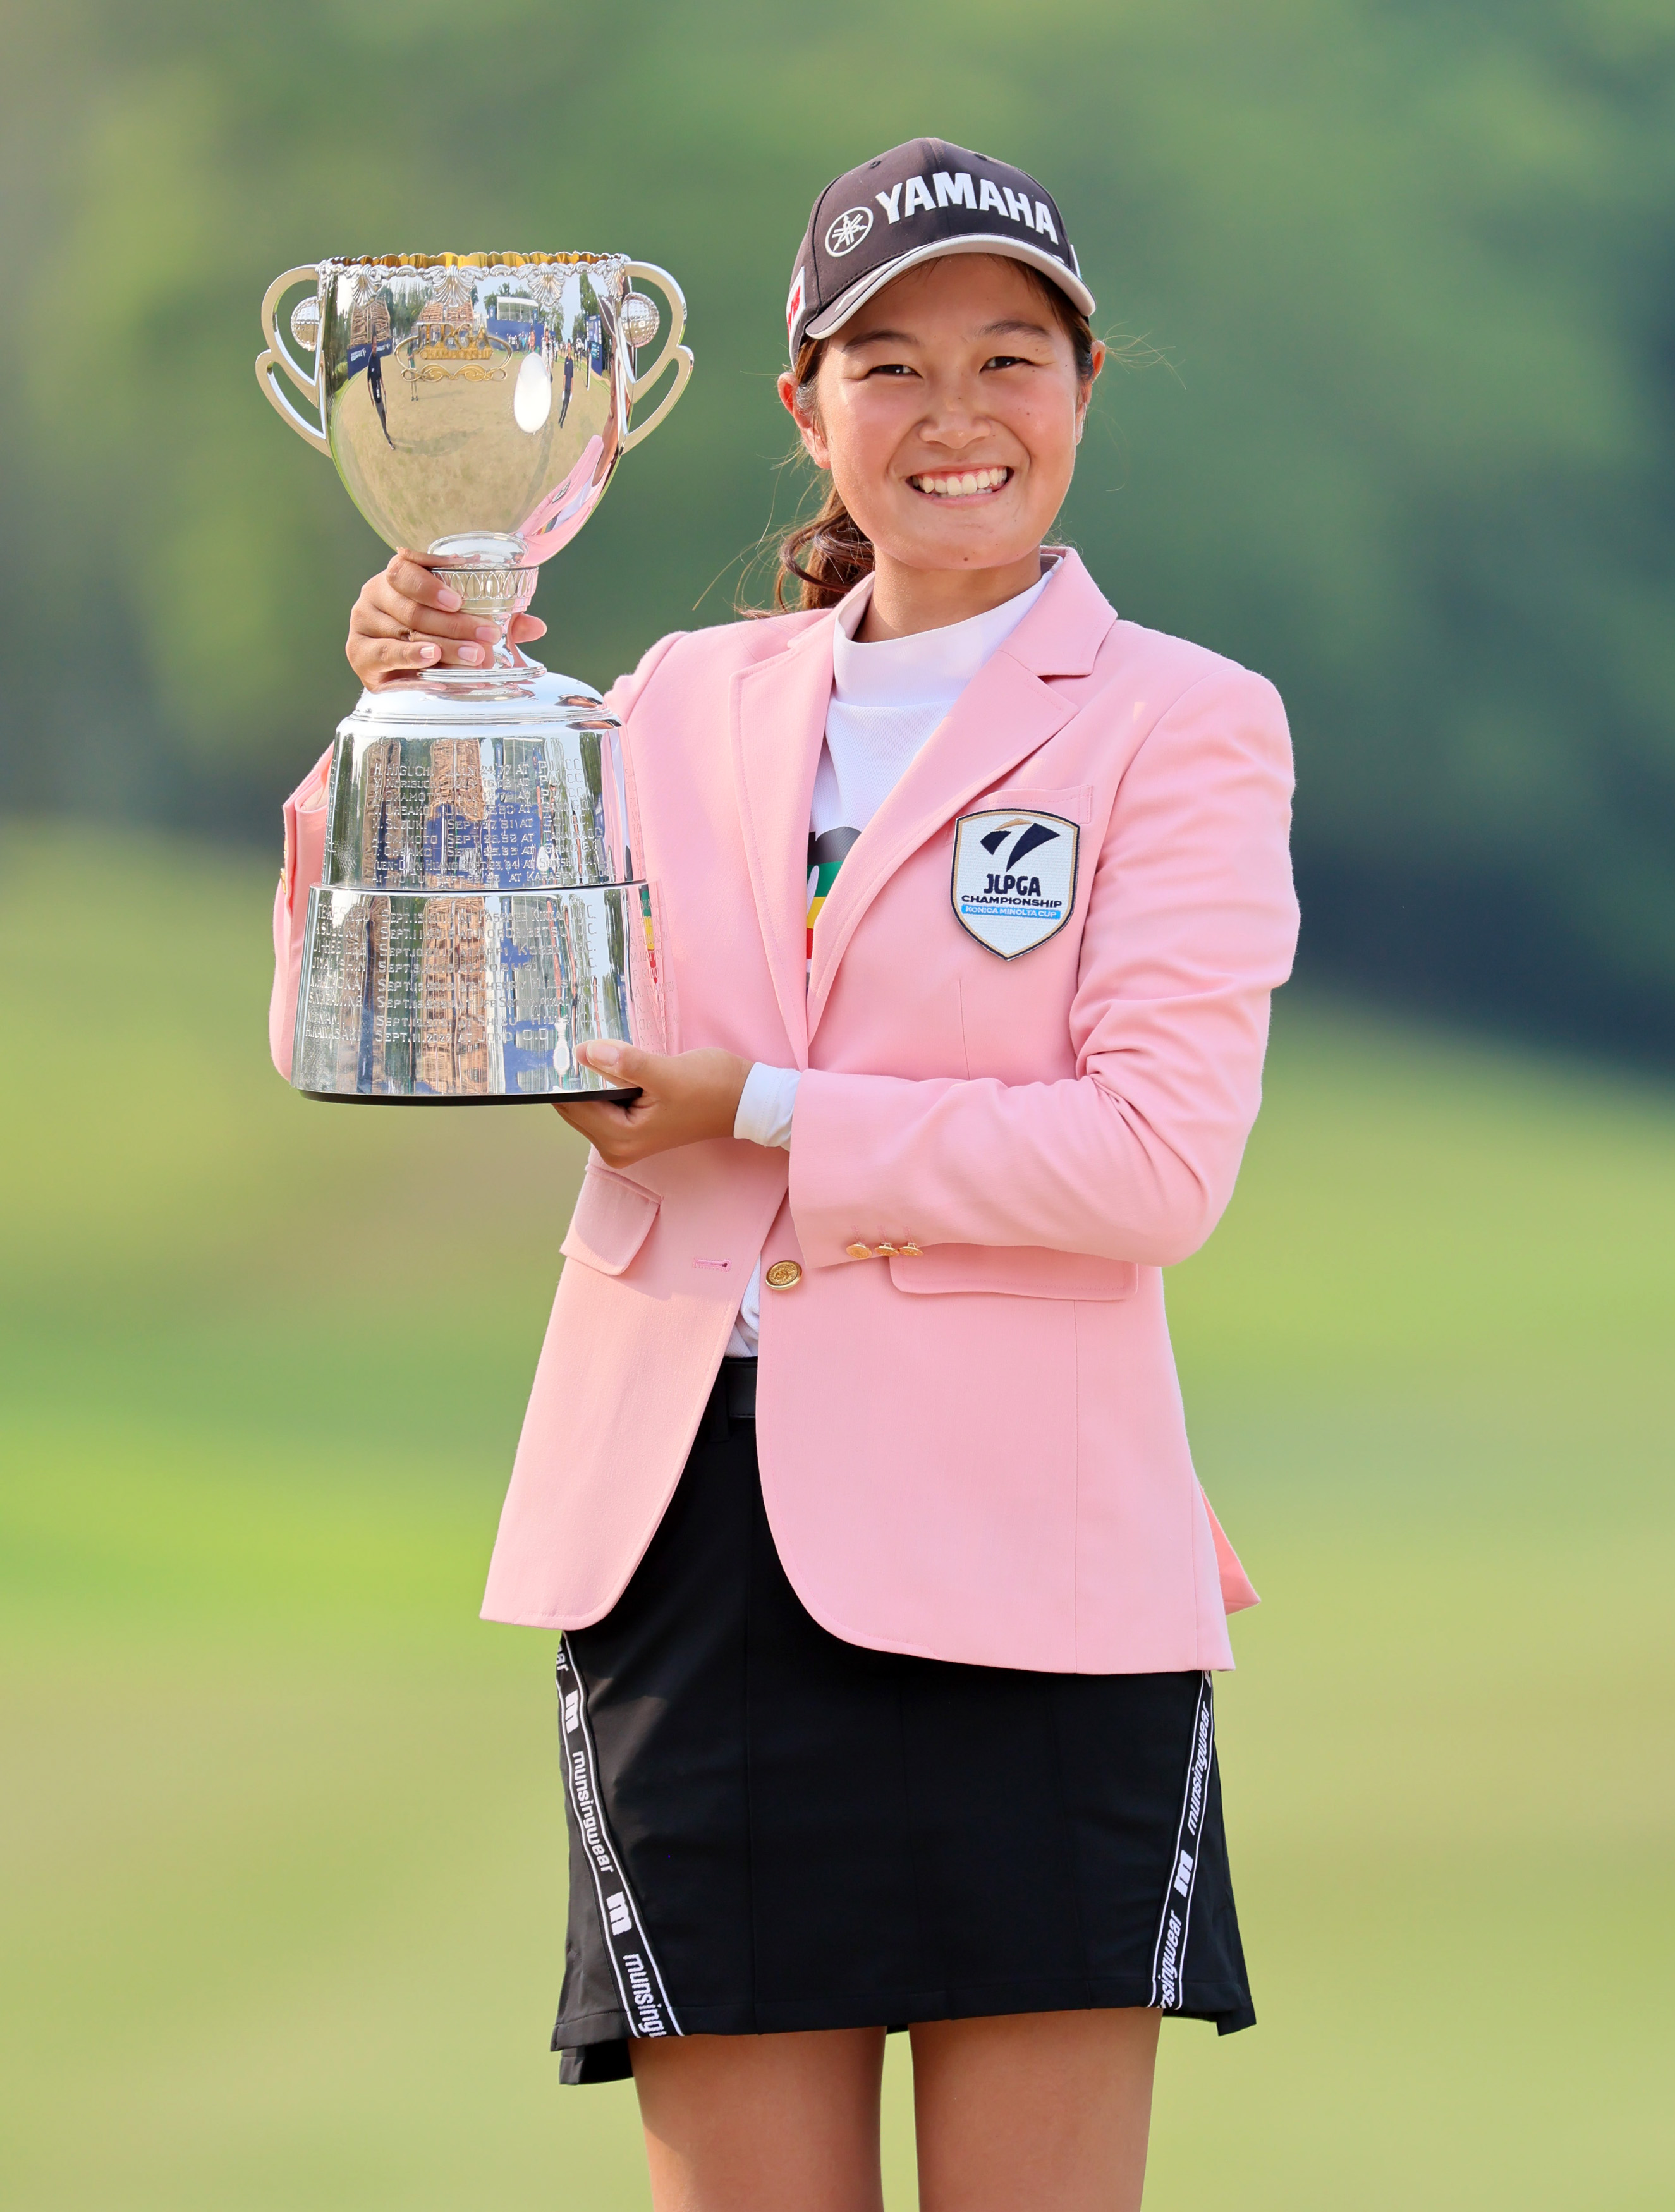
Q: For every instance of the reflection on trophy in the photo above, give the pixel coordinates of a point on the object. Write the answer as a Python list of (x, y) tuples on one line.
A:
[(480, 911)]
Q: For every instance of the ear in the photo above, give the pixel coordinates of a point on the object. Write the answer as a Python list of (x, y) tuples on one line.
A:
[(1087, 391), (807, 422)]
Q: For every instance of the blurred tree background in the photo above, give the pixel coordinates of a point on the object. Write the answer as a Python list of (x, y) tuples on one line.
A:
[(1408, 445), (280, 1913)]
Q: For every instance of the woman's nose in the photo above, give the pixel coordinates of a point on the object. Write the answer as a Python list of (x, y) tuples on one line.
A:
[(953, 422)]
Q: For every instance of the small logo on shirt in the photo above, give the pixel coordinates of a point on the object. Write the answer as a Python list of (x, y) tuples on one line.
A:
[(1015, 878), (827, 852)]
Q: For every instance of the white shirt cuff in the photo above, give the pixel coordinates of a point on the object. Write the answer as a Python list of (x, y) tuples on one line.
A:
[(767, 1105)]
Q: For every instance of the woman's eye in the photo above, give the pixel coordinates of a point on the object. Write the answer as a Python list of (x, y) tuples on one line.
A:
[(891, 368), (1007, 361)]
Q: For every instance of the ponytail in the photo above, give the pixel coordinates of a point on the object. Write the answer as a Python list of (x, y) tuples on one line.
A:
[(824, 558), (827, 556)]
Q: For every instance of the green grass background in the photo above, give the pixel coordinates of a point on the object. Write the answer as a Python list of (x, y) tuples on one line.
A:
[(281, 1878)]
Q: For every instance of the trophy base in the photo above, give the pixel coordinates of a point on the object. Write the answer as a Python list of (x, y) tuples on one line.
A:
[(490, 1099), (449, 998)]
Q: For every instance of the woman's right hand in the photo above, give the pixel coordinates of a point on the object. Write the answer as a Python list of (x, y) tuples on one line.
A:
[(404, 622)]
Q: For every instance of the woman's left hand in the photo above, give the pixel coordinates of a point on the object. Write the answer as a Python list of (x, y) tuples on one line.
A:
[(684, 1097)]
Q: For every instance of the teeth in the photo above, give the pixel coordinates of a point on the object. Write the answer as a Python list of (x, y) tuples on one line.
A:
[(964, 485)]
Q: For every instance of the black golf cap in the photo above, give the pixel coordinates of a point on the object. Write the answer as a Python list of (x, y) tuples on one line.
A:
[(915, 203)]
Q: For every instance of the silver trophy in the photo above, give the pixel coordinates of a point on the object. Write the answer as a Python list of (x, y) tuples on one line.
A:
[(480, 911)]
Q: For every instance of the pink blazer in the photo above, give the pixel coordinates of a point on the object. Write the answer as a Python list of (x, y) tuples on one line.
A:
[(977, 1452)]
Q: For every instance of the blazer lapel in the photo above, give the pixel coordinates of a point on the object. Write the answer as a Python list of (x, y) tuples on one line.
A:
[(779, 711), (1007, 712)]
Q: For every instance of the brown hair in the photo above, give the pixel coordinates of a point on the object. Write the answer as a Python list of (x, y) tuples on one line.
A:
[(823, 559)]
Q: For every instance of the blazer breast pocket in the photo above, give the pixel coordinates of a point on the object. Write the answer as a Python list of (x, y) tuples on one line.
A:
[(611, 1220), (1074, 803)]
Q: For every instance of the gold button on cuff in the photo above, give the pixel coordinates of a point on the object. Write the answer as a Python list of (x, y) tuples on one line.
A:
[(910, 1252), (884, 1252), (858, 1251), (783, 1275)]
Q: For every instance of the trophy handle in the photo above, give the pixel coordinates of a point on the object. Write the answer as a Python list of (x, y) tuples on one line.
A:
[(673, 351), (277, 355)]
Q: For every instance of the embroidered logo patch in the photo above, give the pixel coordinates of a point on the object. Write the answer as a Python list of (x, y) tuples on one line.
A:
[(1015, 878)]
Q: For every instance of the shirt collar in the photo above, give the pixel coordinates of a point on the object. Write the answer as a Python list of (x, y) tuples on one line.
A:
[(931, 666)]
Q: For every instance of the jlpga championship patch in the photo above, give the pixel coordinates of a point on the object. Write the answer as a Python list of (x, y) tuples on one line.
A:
[(1015, 878)]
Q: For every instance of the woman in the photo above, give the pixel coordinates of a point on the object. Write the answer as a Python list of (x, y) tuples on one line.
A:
[(884, 1687)]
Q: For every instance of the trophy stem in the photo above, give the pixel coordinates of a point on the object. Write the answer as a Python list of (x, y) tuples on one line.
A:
[(492, 594)]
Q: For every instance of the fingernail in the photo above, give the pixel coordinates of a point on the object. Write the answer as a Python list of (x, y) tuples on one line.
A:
[(449, 599), (602, 1055), (538, 627), (485, 631), (471, 653), (428, 651)]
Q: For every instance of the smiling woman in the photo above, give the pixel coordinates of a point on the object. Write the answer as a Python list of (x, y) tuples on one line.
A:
[(854, 1473)]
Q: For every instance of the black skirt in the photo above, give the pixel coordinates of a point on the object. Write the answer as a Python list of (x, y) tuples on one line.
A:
[(772, 1829)]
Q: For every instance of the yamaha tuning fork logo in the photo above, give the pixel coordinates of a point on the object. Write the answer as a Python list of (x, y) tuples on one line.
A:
[(848, 231), (1015, 878)]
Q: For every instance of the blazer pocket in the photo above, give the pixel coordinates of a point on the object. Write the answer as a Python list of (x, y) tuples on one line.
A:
[(1018, 1271), (612, 1218), (1076, 805)]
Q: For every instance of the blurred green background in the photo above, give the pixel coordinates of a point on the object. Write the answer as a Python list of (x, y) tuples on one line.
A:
[(1407, 444), (281, 1880)]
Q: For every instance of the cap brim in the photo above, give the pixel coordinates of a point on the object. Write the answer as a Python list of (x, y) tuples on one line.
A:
[(848, 303)]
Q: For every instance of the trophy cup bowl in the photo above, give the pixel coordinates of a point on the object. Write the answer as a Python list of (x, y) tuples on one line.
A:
[(480, 913)]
